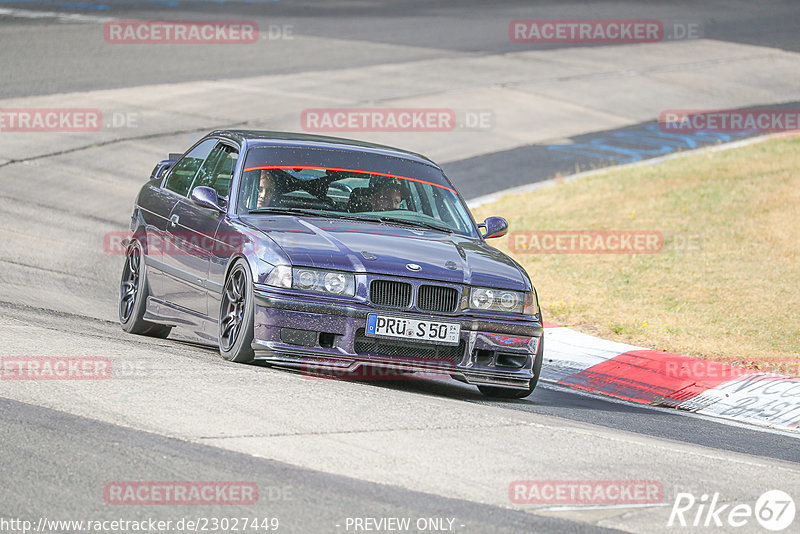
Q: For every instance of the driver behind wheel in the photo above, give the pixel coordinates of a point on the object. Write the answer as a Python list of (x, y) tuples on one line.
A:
[(386, 197)]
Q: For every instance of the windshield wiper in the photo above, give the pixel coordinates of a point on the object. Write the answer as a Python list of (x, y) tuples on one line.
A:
[(421, 224), (316, 213), (354, 217), (300, 211)]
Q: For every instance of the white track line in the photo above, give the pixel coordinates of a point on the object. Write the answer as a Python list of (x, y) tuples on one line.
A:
[(75, 18)]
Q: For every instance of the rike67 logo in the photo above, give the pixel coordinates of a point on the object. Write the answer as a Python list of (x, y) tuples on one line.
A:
[(774, 510)]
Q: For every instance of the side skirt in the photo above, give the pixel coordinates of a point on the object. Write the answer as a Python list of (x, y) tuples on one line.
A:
[(161, 312)]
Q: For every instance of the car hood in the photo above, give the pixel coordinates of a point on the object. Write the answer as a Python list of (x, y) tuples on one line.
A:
[(387, 249)]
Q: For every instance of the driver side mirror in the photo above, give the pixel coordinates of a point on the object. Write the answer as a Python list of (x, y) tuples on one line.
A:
[(494, 226), (206, 197)]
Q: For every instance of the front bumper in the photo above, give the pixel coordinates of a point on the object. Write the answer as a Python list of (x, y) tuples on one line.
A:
[(323, 334)]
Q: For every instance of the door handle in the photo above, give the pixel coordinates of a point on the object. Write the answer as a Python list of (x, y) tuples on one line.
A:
[(173, 221)]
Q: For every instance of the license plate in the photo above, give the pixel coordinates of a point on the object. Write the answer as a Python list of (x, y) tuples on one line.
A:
[(413, 329)]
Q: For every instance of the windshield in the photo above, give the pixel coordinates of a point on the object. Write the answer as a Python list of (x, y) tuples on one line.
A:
[(354, 193)]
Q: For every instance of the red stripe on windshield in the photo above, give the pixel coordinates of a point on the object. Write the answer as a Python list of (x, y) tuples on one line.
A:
[(349, 170)]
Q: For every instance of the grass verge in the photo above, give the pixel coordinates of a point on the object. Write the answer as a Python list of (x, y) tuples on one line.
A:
[(725, 286)]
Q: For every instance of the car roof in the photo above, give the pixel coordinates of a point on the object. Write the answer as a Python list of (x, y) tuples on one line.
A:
[(299, 140)]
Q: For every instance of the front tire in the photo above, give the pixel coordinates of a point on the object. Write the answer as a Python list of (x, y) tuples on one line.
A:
[(236, 315), (133, 295), (510, 393)]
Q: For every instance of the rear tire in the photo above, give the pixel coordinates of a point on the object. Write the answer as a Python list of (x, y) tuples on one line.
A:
[(236, 315), (133, 295), (511, 393)]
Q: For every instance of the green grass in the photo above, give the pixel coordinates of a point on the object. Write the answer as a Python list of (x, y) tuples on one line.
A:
[(726, 285)]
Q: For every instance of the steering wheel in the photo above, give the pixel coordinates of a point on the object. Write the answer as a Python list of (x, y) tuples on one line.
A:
[(342, 187)]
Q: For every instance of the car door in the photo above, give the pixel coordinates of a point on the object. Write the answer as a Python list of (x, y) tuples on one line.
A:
[(175, 283), (154, 206), (193, 232)]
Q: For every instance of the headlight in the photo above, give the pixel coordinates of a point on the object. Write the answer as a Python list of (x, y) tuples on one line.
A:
[(333, 282), (306, 279), (503, 300)]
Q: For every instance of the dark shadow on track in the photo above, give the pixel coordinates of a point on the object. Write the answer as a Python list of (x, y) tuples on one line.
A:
[(597, 410), (91, 454)]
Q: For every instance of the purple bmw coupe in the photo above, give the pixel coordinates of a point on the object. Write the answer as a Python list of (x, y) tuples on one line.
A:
[(338, 255)]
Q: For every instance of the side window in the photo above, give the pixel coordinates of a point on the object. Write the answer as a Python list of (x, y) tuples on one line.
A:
[(217, 171), (182, 174)]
